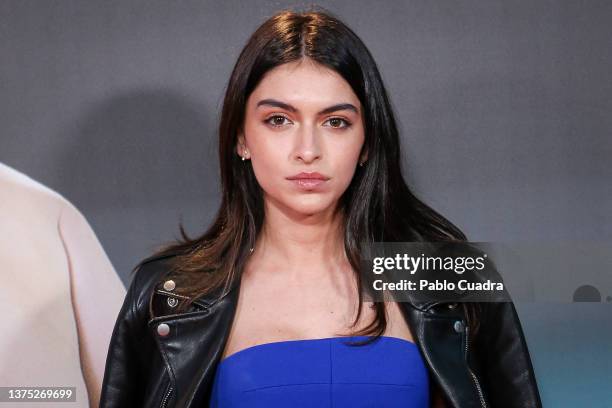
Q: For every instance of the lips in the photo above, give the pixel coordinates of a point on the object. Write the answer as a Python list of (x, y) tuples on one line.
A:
[(310, 182), (308, 176)]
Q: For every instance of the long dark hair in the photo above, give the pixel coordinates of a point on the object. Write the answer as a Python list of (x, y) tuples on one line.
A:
[(378, 205)]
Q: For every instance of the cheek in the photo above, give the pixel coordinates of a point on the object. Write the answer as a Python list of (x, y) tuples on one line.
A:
[(344, 164), (345, 154), (267, 159), (265, 171)]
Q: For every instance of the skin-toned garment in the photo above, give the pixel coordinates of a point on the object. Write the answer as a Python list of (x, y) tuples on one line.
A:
[(60, 293), (160, 358)]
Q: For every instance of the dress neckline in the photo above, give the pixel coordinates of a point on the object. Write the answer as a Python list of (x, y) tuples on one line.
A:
[(276, 343)]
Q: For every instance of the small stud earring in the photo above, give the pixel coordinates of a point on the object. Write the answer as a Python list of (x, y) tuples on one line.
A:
[(242, 158)]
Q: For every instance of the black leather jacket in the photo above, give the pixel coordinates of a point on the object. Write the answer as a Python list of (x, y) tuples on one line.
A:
[(158, 358)]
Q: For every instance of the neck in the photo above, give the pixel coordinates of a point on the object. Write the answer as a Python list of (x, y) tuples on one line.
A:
[(300, 244)]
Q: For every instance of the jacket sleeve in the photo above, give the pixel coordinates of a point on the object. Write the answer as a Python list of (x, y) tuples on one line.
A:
[(126, 362), (506, 371)]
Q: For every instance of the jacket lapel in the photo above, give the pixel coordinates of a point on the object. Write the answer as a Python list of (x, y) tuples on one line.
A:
[(442, 339), (194, 345)]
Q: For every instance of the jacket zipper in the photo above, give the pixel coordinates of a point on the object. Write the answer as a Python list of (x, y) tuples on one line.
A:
[(165, 400), (467, 342)]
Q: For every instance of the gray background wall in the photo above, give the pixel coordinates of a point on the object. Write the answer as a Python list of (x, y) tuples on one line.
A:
[(504, 109)]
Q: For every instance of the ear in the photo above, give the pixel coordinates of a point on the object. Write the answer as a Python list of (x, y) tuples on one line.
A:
[(364, 156), (240, 144)]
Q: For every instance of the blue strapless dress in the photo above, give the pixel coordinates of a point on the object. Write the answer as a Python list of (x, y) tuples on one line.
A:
[(323, 373)]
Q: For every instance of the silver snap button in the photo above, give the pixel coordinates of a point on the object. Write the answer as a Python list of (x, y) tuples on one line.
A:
[(163, 329), (452, 305), (172, 302), (459, 326), (169, 285)]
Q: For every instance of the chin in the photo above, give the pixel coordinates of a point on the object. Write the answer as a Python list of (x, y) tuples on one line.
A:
[(309, 205)]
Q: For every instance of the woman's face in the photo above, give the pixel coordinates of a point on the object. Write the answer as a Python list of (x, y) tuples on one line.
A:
[(303, 118)]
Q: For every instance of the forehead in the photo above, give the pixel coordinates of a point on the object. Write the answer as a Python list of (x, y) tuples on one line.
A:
[(304, 82)]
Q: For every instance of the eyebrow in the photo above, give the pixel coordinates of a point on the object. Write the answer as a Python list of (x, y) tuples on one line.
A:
[(286, 106)]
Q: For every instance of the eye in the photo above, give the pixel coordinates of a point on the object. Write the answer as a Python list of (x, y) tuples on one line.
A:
[(335, 122), (276, 120)]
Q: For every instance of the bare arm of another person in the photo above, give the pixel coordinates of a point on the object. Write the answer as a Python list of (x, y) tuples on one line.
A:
[(97, 294)]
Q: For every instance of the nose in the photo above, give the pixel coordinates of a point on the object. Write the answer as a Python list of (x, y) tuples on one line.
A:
[(307, 145)]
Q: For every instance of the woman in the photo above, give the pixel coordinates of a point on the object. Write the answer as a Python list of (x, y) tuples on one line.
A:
[(252, 312)]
